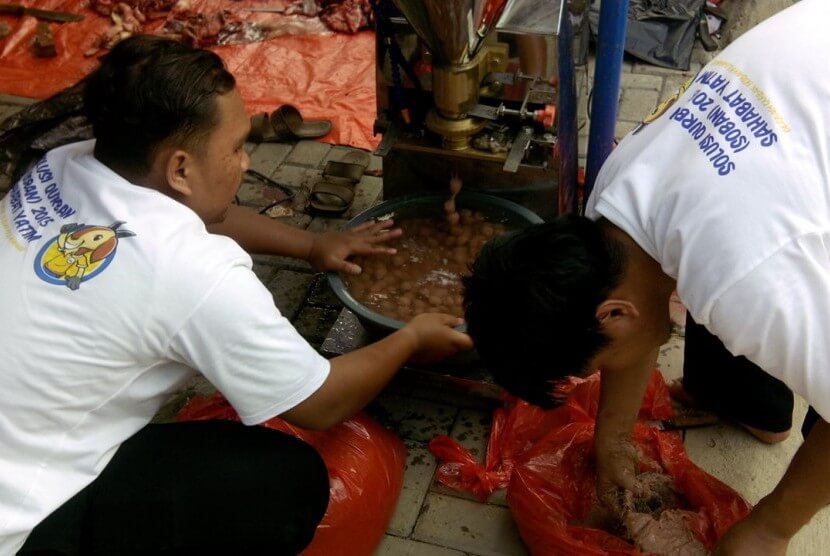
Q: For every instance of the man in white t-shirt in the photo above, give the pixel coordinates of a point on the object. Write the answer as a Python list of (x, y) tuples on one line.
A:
[(723, 194), (114, 293)]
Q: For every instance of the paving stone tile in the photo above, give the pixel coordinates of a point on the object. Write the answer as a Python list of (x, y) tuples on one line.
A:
[(15, 100), (296, 176), (641, 81), (8, 110), (266, 157), (583, 145), (739, 460), (290, 290), (375, 165), (644, 68), (250, 192), (621, 129), (346, 335), (309, 154), (475, 528), (322, 294), (313, 323), (636, 104), (670, 358), (672, 86), (412, 419), (367, 194), (420, 466), (394, 546), (265, 272), (700, 56)]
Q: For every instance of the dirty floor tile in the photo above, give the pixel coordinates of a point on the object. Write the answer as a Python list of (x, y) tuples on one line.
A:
[(393, 546), (480, 529), (413, 419), (420, 466)]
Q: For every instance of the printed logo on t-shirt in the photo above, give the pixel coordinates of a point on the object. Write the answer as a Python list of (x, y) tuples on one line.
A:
[(79, 253), (32, 204)]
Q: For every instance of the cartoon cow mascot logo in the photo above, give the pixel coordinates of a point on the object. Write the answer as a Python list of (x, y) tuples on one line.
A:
[(78, 253)]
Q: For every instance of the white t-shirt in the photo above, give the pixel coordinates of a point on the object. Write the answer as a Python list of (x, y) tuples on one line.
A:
[(728, 190), (111, 295)]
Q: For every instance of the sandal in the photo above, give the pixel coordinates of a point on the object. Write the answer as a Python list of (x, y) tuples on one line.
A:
[(285, 124), (334, 193)]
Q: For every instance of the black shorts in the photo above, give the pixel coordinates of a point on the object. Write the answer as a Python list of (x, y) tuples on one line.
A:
[(194, 489), (733, 387)]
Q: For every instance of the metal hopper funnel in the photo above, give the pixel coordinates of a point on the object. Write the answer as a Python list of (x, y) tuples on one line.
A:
[(453, 30)]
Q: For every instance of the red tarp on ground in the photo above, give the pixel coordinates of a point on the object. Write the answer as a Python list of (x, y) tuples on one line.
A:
[(328, 75)]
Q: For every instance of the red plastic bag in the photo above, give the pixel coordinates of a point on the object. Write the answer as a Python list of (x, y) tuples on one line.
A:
[(518, 427), (545, 460), (365, 464), (553, 486)]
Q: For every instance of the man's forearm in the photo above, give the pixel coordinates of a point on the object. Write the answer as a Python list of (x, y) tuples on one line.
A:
[(259, 234), (804, 489), (355, 379), (621, 394)]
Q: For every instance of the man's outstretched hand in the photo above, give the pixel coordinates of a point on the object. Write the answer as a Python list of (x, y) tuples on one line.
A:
[(617, 466), (331, 250), (435, 337)]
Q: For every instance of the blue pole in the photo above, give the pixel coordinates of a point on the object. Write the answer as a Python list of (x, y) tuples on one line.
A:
[(613, 17)]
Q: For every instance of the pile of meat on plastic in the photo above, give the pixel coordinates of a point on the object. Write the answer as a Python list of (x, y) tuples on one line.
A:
[(657, 523), (231, 25)]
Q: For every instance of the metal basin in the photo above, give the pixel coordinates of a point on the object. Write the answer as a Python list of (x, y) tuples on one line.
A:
[(494, 209)]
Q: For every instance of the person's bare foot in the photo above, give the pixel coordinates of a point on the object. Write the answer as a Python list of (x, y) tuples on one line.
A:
[(767, 437), (681, 396)]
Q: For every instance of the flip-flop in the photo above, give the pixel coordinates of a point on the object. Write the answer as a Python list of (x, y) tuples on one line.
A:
[(285, 124), (287, 120), (334, 193)]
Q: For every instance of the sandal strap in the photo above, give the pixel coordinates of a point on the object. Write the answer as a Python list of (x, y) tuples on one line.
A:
[(344, 170), (342, 192)]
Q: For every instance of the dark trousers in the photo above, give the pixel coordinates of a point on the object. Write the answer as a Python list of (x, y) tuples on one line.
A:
[(734, 387), (196, 488)]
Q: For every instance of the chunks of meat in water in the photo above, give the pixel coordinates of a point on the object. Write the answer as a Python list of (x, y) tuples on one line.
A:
[(425, 274)]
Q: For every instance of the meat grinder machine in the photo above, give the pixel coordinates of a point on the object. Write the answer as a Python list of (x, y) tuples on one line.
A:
[(481, 88)]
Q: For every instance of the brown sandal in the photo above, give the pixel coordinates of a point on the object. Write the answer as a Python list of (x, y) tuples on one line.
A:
[(334, 193), (285, 124)]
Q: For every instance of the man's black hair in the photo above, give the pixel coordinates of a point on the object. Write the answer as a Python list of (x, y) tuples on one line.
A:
[(531, 303), (148, 91)]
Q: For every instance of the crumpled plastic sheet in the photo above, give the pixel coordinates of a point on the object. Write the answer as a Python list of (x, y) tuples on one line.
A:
[(325, 75)]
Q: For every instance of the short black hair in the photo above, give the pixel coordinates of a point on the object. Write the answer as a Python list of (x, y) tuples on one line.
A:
[(151, 90), (531, 300)]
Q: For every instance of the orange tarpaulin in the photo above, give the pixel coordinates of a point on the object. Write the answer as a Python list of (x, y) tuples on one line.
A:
[(325, 75)]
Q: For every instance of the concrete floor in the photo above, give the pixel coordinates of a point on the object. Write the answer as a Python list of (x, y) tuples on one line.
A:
[(431, 520)]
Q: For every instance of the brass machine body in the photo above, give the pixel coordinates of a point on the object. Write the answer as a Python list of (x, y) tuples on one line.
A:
[(472, 110)]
